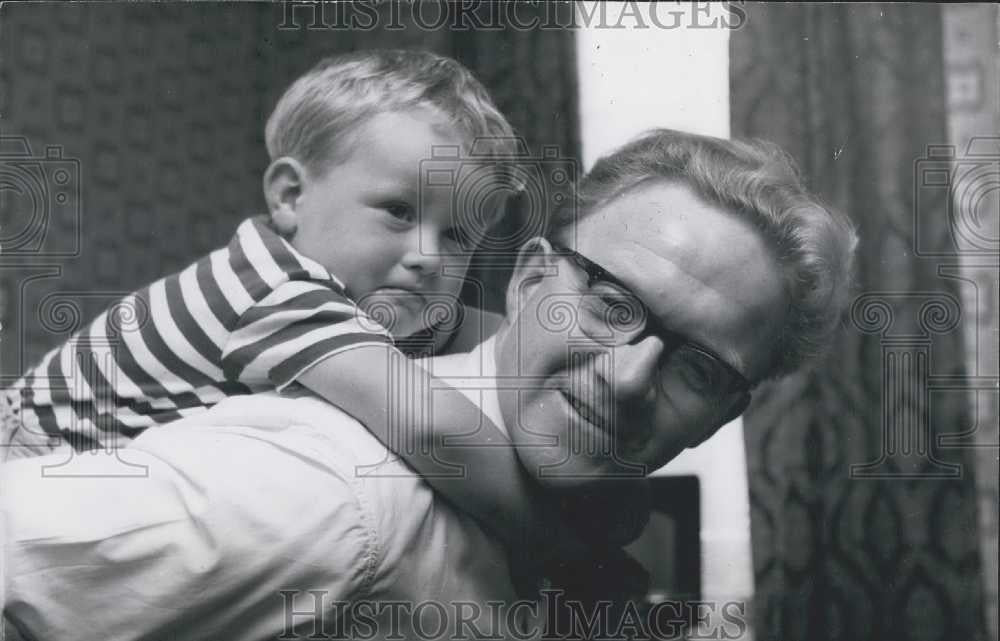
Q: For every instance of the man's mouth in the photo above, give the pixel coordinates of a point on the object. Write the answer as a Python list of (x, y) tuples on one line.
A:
[(630, 431), (586, 412)]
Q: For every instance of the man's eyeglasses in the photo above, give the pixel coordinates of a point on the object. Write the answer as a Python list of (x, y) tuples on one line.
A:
[(611, 314)]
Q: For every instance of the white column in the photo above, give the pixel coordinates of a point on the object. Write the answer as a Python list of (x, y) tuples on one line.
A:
[(676, 76), (635, 78)]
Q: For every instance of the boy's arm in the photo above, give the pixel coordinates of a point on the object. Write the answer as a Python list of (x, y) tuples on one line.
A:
[(307, 332), (493, 487)]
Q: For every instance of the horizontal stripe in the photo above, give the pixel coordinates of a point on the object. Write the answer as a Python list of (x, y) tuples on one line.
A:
[(158, 354)]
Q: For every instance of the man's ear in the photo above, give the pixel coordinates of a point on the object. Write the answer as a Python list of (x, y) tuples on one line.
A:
[(284, 182), (534, 262)]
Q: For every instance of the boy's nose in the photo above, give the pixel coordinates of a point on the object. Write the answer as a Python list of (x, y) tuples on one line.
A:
[(423, 255)]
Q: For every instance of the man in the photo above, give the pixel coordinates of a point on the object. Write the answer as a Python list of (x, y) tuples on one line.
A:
[(694, 269)]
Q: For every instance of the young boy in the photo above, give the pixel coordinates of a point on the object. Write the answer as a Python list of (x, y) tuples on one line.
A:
[(353, 227)]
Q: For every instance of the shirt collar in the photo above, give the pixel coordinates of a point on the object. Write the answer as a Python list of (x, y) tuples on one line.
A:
[(276, 245)]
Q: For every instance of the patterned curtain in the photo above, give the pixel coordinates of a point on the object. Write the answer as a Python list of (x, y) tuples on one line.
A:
[(972, 73), (862, 496), (154, 115)]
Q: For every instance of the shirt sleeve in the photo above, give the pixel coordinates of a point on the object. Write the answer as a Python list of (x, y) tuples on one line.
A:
[(163, 542), (297, 325)]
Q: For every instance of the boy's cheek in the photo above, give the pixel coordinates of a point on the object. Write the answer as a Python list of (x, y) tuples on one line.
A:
[(443, 311), (397, 311), (451, 280)]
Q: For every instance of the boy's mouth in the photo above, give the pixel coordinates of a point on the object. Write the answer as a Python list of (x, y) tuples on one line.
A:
[(401, 295), (393, 301)]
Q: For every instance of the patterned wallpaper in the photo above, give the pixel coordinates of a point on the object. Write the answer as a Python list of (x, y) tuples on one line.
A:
[(154, 115), (156, 118)]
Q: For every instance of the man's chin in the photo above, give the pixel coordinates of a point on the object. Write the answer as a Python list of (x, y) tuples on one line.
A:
[(560, 472), (583, 451), (584, 473)]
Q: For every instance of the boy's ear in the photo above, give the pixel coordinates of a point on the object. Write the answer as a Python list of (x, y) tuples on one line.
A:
[(534, 262), (284, 181)]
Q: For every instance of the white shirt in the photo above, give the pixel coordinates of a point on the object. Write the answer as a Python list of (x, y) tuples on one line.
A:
[(241, 512)]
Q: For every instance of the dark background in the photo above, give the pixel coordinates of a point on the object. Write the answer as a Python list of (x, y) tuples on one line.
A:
[(163, 108)]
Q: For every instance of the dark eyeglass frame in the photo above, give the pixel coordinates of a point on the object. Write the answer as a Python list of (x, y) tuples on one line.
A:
[(596, 273)]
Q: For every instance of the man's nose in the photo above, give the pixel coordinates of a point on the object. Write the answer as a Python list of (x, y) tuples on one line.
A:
[(636, 369)]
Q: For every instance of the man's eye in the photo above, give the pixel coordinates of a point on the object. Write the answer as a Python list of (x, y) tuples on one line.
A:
[(608, 292), (696, 371), (402, 211), (613, 296)]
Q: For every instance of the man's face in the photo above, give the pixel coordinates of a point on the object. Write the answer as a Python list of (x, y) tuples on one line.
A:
[(588, 408)]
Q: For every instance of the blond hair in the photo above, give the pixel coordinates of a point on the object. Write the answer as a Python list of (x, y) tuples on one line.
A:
[(314, 119)]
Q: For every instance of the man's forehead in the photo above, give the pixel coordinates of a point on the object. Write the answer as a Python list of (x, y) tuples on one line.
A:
[(701, 270), (653, 225)]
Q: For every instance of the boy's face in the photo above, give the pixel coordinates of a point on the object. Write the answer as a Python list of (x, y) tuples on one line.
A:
[(373, 225)]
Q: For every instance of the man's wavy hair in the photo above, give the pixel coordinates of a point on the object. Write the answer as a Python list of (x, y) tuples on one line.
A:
[(758, 181)]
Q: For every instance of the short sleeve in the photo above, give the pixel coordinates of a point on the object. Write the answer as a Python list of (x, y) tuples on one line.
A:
[(291, 329)]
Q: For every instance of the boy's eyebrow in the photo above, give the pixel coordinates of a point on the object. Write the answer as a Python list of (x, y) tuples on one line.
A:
[(405, 185)]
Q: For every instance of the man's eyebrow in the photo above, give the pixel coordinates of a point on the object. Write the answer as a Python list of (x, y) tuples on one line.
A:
[(728, 356)]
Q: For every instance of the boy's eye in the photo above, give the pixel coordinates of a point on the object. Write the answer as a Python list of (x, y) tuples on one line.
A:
[(401, 211), (452, 235)]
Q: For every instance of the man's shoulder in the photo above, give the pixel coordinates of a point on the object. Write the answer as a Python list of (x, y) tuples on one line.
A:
[(292, 472), (294, 420), (420, 539), (296, 428)]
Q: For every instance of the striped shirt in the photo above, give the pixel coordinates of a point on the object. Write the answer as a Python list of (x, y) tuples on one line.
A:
[(250, 316)]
